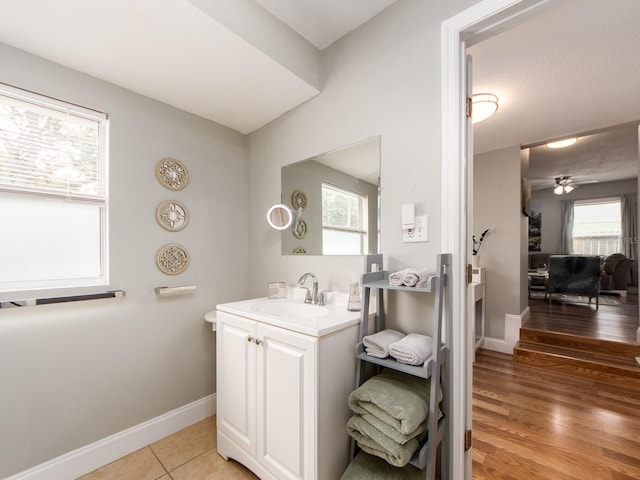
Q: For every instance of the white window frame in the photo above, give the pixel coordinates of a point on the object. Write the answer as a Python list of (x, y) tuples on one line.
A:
[(575, 236), (72, 284)]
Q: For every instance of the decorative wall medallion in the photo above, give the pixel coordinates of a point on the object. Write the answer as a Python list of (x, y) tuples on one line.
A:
[(172, 215), (301, 230), (298, 200), (172, 174), (172, 259), (299, 250)]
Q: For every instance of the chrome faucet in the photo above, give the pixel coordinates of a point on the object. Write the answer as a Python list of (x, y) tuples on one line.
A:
[(311, 296)]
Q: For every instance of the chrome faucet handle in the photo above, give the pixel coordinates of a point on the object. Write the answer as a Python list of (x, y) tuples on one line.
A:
[(322, 298)]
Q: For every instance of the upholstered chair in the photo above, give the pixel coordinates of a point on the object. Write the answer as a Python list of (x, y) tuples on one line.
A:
[(574, 274)]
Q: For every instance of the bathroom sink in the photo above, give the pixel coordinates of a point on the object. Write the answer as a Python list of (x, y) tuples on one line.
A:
[(291, 310), (293, 314)]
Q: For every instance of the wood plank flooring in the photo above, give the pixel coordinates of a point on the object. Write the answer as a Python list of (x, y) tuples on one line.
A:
[(567, 315), (533, 424), (570, 336)]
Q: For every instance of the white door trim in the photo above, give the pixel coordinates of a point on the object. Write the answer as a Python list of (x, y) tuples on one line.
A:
[(479, 22)]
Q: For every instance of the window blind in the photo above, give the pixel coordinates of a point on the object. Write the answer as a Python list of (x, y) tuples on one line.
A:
[(50, 150), (341, 209)]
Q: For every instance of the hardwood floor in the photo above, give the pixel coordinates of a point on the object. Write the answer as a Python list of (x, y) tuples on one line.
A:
[(529, 423), (570, 336), (616, 319)]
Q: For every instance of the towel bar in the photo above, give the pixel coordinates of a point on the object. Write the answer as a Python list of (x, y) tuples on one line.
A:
[(166, 291), (71, 298)]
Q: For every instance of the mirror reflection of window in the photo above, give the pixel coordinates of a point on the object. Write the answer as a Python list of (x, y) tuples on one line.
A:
[(344, 221), (354, 169)]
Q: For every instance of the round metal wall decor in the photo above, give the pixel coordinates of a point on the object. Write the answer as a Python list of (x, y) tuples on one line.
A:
[(298, 200), (172, 259), (172, 215), (301, 230), (172, 174)]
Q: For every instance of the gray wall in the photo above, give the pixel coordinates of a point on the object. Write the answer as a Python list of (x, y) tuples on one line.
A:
[(548, 203), (383, 79), (72, 374), (497, 206)]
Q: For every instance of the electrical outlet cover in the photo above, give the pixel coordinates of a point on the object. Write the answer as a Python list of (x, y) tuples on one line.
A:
[(420, 233)]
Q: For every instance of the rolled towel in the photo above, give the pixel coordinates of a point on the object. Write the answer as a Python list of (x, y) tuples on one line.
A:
[(413, 349), (410, 277), (377, 345), (369, 467), (374, 442), (425, 279), (395, 278)]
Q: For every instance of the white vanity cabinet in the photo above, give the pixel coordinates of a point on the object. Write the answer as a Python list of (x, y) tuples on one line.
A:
[(282, 397)]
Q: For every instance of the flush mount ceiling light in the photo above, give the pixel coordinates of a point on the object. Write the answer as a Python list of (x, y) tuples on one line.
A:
[(483, 106), (567, 142), (564, 185)]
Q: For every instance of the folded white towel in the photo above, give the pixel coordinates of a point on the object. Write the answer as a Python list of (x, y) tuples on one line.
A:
[(413, 349), (377, 344)]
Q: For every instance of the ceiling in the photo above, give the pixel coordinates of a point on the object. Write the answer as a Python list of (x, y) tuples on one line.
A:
[(240, 63), (573, 69)]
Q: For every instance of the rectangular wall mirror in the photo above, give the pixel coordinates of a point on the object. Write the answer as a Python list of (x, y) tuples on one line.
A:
[(338, 192)]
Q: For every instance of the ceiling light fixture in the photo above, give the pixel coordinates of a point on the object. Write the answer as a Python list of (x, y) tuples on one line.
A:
[(483, 105), (564, 185), (567, 142)]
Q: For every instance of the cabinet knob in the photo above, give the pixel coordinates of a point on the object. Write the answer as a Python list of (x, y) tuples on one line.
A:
[(250, 338), (258, 342)]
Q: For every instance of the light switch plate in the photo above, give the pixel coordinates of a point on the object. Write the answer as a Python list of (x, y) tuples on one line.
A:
[(420, 233)]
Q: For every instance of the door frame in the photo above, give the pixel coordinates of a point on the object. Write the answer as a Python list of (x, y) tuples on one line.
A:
[(481, 21)]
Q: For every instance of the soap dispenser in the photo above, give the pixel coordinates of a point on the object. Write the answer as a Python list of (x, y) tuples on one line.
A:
[(355, 301)]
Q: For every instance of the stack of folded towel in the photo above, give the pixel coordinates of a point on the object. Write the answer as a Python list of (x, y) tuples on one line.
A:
[(411, 277), (377, 345), (412, 349), (390, 417), (368, 467)]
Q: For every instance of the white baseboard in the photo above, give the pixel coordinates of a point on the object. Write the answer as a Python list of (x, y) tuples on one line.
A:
[(85, 459), (512, 325)]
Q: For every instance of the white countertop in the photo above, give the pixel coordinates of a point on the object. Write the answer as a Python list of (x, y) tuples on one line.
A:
[(337, 317)]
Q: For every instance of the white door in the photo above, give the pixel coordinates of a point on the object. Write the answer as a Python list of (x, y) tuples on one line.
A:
[(286, 402), (236, 379)]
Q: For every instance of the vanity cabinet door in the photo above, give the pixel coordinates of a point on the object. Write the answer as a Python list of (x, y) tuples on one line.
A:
[(236, 379), (287, 386)]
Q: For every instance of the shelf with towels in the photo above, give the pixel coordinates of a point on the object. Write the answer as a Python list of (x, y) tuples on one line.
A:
[(381, 280), (434, 448)]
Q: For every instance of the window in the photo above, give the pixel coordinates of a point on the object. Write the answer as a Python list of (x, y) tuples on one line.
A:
[(344, 221), (597, 226), (53, 193)]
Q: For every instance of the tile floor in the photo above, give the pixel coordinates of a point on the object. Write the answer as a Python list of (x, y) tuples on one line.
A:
[(189, 454)]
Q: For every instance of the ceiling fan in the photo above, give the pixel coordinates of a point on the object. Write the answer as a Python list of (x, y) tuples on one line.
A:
[(564, 185)]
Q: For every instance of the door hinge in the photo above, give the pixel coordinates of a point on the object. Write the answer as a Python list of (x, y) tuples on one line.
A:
[(469, 107), (469, 274), (467, 440)]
